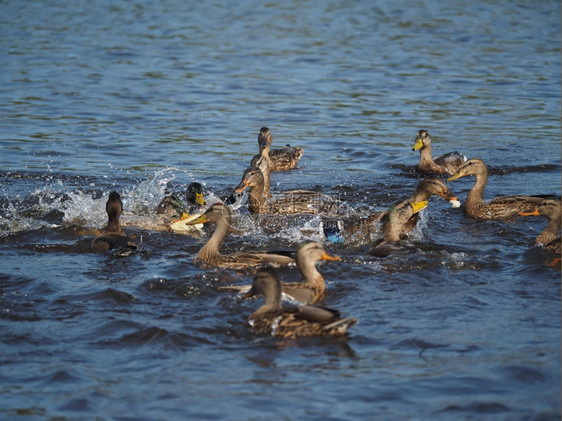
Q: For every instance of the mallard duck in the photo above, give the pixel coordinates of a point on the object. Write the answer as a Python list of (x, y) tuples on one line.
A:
[(424, 190), (444, 164), (261, 162), (283, 159), (549, 238), (394, 223), (501, 207), (287, 203), (112, 236), (312, 287), (173, 207), (291, 322), (210, 255)]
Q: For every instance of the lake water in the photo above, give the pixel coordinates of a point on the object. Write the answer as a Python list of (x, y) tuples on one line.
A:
[(146, 97)]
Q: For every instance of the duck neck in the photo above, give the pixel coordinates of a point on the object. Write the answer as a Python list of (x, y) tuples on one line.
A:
[(212, 248), (257, 198), (476, 195), (550, 233), (308, 271), (113, 226), (271, 303), (425, 154)]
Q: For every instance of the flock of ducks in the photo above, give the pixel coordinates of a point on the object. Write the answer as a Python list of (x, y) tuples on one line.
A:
[(304, 317)]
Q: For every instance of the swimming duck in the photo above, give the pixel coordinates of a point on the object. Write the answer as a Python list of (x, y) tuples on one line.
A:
[(113, 236), (312, 287), (283, 159), (394, 222), (210, 255), (445, 164), (501, 207), (173, 207), (287, 203), (291, 322), (424, 190), (549, 238)]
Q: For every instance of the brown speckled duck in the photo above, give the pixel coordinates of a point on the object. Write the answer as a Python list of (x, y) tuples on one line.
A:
[(112, 236), (283, 159), (394, 222), (549, 238), (446, 164), (424, 190), (291, 322), (210, 254), (312, 287), (501, 207), (291, 202)]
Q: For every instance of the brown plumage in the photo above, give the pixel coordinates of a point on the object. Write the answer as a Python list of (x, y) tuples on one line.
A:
[(283, 159), (291, 202), (446, 164), (291, 322), (311, 289), (400, 225), (549, 238), (113, 236), (394, 222), (501, 207), (210, 254)]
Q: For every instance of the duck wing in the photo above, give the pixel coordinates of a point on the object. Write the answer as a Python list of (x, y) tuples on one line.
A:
[(451, 161)]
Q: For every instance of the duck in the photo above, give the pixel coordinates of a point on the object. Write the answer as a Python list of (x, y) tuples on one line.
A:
[(312, 288), (291, 321), (549, 238), (210, 255), (446, 164), (172, 206), (394, 222), (283, 159), (424, 190), (291, 202), (503, 207), (112, 236)]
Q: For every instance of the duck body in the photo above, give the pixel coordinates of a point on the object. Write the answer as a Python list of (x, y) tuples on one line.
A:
[(312, 287), (291, 202), (503, 207), (291, 322), (282, 159), (446, 164), (112, 236), (210, 254)]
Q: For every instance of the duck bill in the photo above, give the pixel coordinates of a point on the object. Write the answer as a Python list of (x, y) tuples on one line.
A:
[(244, 184), (456, 176), (418, 206), (418, 145), (200, 200), (199, 220), (326, 256), (533, 213)]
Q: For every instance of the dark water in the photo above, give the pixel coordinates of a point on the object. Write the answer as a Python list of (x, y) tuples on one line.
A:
[(145, 98)]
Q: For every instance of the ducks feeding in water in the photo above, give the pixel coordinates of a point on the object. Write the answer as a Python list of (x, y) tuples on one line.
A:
[(501, 207), (210, 254)]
